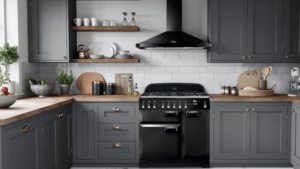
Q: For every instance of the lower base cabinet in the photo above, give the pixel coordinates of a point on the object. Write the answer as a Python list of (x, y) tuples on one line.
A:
[(243, 134), (295, 153)]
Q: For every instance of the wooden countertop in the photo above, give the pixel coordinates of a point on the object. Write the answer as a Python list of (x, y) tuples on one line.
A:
[(27, 107)]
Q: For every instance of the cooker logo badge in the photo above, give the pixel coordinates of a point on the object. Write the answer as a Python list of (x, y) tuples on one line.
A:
[(174, 88), (174, 41)]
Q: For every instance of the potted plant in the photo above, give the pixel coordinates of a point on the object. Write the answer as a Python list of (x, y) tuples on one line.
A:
[(8, 56), (64, 80)]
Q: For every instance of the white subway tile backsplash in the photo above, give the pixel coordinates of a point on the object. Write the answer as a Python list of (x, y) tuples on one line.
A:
[(283, 69), (172, 55), (116, 69), (158, 55), (158, 69), (131, 69), (144, 69), (220, 76), (192, 76), (173, 69), (88, 69), (165, 62), (191, 69), (206, 76), (102, 69), (186, 62), (151, 62), (214, 69), (186, 55)]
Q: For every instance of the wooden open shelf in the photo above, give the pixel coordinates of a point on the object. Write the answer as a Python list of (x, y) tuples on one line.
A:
[(105, 60), (107, 28)]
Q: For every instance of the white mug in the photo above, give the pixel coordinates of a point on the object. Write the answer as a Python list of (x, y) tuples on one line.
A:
[(94, 21), (77, 21), (113, 23), (86, 21), (105, 23)]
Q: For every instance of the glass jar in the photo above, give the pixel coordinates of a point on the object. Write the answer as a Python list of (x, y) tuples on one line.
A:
[(223, 89), (227, 90), (233, 90)]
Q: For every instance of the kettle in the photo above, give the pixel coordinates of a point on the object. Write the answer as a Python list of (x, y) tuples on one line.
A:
[(83, 53)]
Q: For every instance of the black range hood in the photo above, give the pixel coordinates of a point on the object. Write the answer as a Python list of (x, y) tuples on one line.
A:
[(174, 38)]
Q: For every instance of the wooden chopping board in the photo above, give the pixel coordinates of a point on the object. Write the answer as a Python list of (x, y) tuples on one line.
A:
[(84, 81), (121, 83), (247, 79)]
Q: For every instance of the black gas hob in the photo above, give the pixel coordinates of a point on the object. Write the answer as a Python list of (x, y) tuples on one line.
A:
[(174, 125)]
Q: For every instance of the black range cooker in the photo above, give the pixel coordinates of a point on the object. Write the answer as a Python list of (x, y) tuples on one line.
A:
[(174, 128)]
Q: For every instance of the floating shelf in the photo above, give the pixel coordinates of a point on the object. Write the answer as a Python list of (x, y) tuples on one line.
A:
[(107, 28), (105, 60)]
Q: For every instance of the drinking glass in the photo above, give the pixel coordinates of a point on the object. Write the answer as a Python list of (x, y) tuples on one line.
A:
[(133, 23), (124, 22)]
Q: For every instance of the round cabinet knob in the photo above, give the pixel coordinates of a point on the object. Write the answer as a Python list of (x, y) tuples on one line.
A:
[(293, 110), (116, 109), (249, 57), (117, 145), (253, 109), (116, 127), (61, 115), (58, 115), (90, 109), (65, 57), (247, 109), (287, 57), (25, 128), (244, 57)]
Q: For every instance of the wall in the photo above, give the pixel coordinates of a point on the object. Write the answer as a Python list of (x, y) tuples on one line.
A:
[(158, 66)]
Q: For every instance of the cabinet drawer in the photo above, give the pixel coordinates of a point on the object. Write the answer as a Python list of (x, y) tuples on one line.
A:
[(107, 151), (124, 115), (109, 132)]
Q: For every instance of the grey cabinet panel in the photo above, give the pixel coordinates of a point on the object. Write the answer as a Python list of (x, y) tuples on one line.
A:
[(49, 141), (228, 30), (64, 137), (125, 115), (108, 152), (21, 149), (295, 155), (108, 133), (85, 132), (269, 132), (231, 132), (265, 28), (291, 30)]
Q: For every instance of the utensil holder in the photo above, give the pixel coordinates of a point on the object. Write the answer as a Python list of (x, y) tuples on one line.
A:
[(262, 84)]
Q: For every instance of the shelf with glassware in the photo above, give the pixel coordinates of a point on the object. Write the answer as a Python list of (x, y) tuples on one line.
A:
[(107, 28), (105, 60)]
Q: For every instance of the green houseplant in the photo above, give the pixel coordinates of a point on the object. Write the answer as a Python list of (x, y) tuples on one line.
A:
[(8, 56), (64, 80)]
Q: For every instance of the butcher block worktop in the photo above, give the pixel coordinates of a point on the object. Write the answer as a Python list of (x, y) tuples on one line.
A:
[(27, 107)]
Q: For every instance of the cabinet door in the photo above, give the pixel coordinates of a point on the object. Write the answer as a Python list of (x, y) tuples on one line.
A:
[(64, 137), (85, 132), (296, 136), (228, 30), (49, 141), (49, 30), (265, 23), (21, 148), (269, 132), (231, 132), (291, 30)]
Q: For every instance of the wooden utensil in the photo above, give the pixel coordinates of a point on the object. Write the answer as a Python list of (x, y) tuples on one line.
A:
[(265, 71), (247, 79), (121, 84), (270, 70), (84, 81)]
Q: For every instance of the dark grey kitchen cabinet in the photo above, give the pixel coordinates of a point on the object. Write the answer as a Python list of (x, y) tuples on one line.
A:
[(84, 133), (49, 25), (227, 30), (245, 31), (116, 132), (56, 139), (295, 152), (21, 146), (107, 114), (108, 152), (291, 39), (250, 134)]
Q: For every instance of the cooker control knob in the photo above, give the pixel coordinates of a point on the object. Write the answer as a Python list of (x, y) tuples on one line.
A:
[(168, 106), (205, 105), (174, 105), (143, 105), (154, 105), (149, 106), (185, 105), (162, 104), (179, 105)]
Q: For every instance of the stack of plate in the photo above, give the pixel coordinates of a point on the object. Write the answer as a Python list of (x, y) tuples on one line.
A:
[(98, 50)]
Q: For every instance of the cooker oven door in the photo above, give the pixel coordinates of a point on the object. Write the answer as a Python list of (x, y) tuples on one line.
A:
[(160, 142)]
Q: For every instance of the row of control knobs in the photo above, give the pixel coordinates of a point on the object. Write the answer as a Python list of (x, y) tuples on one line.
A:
[(168, 105)]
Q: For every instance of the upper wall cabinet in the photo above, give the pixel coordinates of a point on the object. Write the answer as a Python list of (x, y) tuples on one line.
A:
[(244, 31), (50, 36), (291, 47)]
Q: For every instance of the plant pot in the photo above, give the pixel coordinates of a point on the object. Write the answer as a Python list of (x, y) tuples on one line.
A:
[(65, 89)]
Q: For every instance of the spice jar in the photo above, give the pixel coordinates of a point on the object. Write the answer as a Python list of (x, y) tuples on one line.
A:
[(227, 90), (222, 89), (233, 90), (110, 89)]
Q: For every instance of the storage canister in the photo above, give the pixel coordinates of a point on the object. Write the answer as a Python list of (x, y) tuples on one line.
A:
[(97, 88), (110, 89), (227, 90), (233, 90)]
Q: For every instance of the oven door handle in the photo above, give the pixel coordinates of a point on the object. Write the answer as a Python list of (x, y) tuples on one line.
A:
[(160, 125), (192, 113), (171, 113)]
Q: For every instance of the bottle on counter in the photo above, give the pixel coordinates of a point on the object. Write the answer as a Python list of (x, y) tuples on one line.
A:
[(223, 89), (129, 88)]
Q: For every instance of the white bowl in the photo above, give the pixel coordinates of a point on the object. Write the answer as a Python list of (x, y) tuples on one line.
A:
[(42, 90), (96, 56), (124, 52), (6, 101), (124, 57)]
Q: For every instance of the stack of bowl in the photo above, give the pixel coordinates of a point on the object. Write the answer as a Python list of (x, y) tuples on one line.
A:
[(124, 54)]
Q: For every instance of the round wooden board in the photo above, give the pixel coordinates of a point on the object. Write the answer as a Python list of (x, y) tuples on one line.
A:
[(84, 81), (247, 79)]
